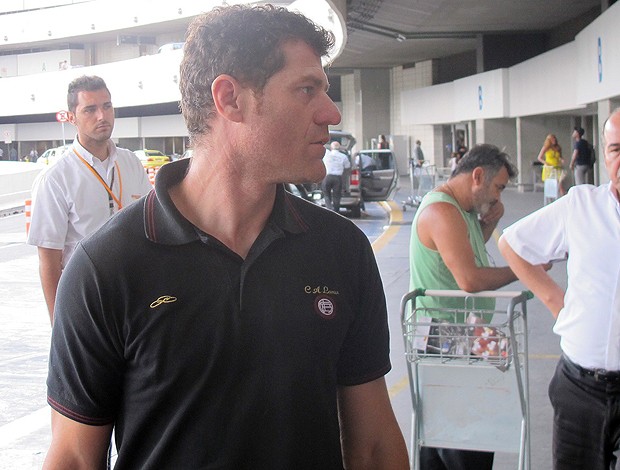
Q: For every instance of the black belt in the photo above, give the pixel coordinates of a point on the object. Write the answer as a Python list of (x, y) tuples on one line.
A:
[(600, 375)]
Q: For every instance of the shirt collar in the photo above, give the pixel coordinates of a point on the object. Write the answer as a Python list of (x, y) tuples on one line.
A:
[(164, 224), (89, 157), (613, 197)]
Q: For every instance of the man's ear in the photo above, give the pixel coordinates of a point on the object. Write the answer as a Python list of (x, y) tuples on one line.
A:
[(71, 117), (226, 92), (478, 176)]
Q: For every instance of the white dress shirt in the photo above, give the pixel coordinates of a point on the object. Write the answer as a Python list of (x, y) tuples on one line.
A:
[(70, 203), (335, 162), (585, 224)]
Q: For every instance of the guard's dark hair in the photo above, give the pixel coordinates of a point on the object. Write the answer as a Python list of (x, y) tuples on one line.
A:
[(490, 158), (580, 131), (244, 42), (83, 83)]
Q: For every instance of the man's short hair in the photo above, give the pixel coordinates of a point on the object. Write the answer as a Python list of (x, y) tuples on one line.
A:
[(490, 158), (244, 42), (580, 131), (83, 83)]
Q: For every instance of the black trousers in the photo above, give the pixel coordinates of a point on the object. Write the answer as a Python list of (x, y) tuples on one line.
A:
[(332, 190), (586, 422)]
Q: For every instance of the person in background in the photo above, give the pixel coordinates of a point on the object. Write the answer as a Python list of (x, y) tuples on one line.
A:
[(583, 227), (418, 154), (269, 350), (550, 156), (91, 182), (383, 143), (447, 251), (335, 163), (455, 157), (580, 161)]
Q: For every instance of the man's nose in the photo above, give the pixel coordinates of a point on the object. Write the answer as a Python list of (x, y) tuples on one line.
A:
[(329, 113)]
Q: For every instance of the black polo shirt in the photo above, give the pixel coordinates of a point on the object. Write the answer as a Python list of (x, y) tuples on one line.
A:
[(205, 360)]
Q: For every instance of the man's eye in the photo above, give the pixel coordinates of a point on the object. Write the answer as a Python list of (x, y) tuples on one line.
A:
[(307, 89)]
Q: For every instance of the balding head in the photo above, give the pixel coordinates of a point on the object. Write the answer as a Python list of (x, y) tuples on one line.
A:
[(611, 143), (335, 145)]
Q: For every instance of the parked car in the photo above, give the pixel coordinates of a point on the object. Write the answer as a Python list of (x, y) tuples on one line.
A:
[(373, 175), (379, 175), (346, 140), (151, 158), (51, 156), (309, 192)]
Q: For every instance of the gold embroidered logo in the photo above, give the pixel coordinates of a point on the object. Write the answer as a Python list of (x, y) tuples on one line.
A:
[(164, 299)]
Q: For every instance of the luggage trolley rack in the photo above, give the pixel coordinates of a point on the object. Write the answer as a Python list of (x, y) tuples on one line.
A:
[(423, 180), (468, 373)]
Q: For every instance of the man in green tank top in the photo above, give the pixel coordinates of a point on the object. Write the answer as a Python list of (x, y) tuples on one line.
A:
[(447, 251)]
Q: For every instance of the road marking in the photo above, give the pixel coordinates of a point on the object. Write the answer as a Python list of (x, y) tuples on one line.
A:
[(396, 216), (398, 387), (24, 426)]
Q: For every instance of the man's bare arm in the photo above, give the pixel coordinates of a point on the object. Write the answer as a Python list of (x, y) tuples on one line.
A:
[(535, 278), (50, 269), (371, 438), (77, 446), (441, 228)]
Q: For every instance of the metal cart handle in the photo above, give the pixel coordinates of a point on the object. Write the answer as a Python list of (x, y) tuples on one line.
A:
[(516, 296)]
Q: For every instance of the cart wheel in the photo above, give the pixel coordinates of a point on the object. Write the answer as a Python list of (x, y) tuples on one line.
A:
[(404, 208)]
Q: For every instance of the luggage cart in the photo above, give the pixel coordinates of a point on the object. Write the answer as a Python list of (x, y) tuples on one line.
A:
[(423, 180), (551, 185), (468, 373)]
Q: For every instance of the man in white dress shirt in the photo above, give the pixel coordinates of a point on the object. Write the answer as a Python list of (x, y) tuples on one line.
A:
[(585, 390), (93, 180), (335, 163)]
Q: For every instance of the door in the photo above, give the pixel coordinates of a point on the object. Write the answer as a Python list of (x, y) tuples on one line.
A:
[(379, 174)]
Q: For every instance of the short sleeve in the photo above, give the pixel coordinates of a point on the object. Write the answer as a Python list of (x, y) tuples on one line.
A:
[(365, 355), (86, 362)]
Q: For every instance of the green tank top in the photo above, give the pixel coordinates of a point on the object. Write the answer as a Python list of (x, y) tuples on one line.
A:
[(428, 271)]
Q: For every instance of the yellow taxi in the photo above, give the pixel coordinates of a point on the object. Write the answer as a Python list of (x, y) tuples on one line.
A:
[(151, 158)]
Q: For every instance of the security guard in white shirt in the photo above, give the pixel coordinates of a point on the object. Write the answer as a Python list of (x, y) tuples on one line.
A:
[(78, 194)]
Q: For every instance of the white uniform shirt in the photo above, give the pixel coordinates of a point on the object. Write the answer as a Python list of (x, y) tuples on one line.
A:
[(335, 162), (585, 224), (69, 202)]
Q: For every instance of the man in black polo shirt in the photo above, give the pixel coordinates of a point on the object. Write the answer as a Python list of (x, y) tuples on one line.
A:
[(267, 346)]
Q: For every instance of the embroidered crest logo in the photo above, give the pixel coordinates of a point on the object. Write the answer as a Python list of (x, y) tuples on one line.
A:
[(325, 307)]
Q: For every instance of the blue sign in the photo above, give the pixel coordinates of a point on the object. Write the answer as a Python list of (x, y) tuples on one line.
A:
[(480, 97), (600, 60)]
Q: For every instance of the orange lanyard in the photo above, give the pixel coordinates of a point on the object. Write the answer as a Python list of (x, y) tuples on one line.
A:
[(105, 185)]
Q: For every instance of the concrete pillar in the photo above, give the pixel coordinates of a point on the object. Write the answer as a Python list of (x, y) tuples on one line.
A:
[(366, 99), (523, 178)]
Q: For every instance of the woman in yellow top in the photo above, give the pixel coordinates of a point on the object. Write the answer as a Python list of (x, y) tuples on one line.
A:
[(551, 157)]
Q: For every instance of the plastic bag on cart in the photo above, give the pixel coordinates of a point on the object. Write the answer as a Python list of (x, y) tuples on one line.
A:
[(475, 340), (488, 341)]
